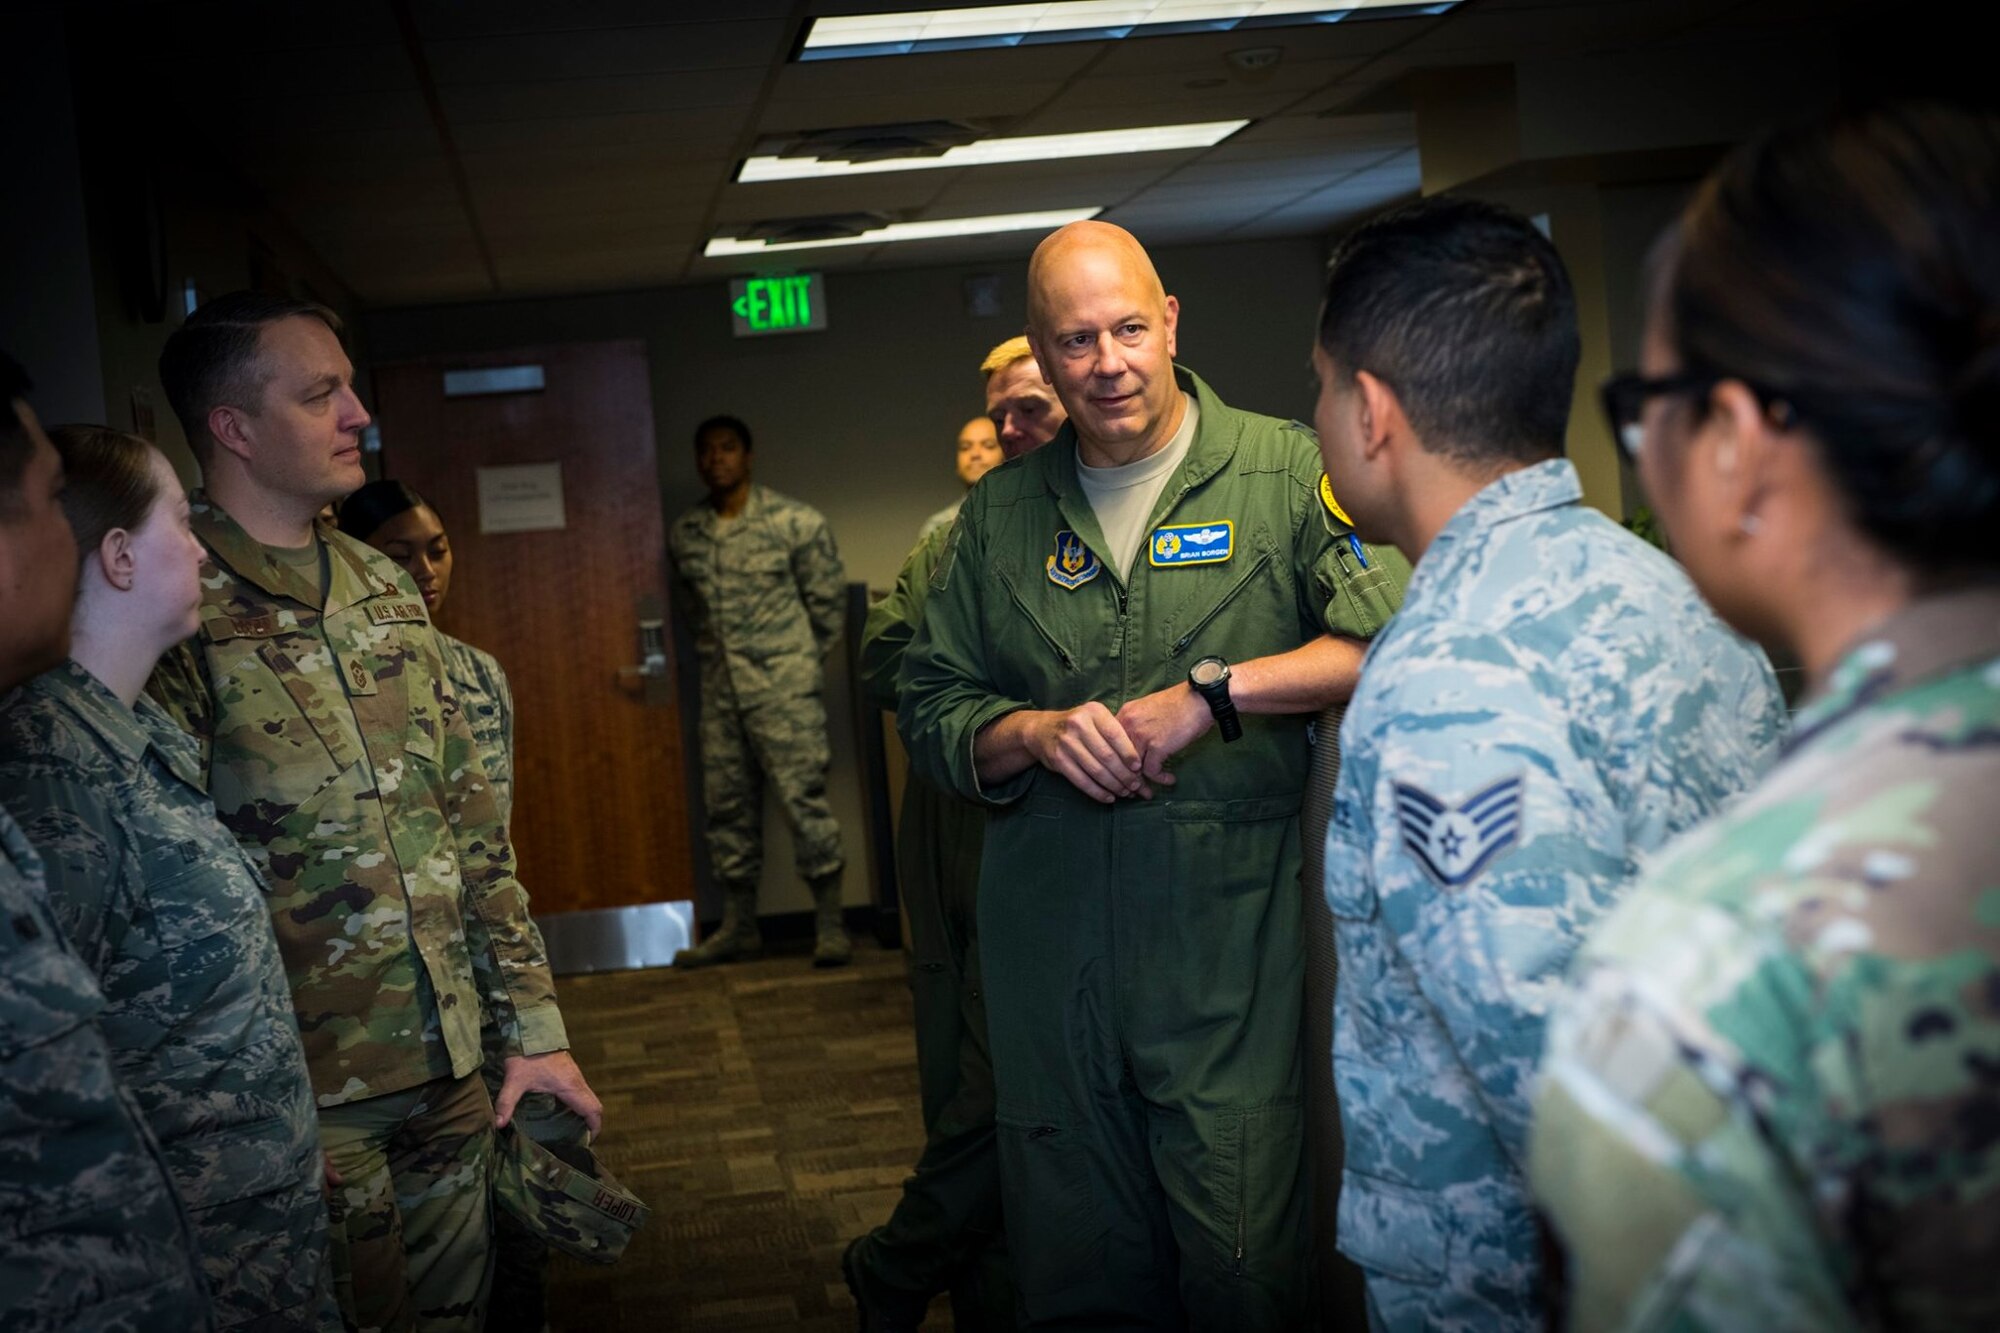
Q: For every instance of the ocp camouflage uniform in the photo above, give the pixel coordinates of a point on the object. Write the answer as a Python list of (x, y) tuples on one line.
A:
[(1552, 702), (487, 701), (1771, 1100), (945, 1232), (162, 905), (519, 1298), (765, 592), (91, 1234), (1143, 964), (339, 758)]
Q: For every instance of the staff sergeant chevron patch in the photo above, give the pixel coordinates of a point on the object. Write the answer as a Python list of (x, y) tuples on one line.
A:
[(1453, 843)]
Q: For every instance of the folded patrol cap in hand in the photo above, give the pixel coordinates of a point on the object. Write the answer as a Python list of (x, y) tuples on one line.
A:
[(547, 1176)]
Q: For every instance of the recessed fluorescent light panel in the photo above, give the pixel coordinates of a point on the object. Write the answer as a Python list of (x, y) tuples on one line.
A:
[(992, 152), (936, 229), (913, 32)]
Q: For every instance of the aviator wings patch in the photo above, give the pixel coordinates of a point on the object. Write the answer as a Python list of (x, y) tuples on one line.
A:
[(1454, 842)]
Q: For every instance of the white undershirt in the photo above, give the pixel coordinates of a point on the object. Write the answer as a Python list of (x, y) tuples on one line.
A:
[(1123, 497)]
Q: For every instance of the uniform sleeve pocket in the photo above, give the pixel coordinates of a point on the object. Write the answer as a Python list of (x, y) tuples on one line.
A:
[(1391, 1230)]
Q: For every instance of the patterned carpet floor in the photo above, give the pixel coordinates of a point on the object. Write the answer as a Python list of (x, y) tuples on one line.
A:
[(766, 1113)]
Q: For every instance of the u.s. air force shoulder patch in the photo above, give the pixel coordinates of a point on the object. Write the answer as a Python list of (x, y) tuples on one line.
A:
[(1073, 563), (1453, 842)]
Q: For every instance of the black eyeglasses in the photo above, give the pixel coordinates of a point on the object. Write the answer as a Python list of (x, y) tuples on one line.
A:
[(1624, 400)]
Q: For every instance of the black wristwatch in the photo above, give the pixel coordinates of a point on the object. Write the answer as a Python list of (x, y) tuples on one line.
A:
[(1210, 679)]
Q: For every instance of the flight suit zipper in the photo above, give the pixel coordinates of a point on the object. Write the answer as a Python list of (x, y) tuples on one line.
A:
[(1180, 644)]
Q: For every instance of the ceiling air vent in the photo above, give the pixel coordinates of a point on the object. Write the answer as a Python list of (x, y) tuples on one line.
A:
[(824, 227), (875, 143)]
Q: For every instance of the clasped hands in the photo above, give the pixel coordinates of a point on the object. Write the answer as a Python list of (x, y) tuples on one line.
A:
[(1108, 755)]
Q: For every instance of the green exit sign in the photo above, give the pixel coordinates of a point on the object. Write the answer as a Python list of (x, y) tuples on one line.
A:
[(794, 303)]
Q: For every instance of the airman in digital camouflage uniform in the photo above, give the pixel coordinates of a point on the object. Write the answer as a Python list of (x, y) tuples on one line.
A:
[(161, 903), (1138, 901), (1771, 1098), (1552, 703), (338, 756), (945, 1232), (763, 582), (92, 1234)]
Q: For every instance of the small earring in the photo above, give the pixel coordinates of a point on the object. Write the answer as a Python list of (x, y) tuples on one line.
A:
[(1749, 524)]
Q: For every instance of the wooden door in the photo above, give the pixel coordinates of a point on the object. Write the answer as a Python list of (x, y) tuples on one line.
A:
[(600, 809)]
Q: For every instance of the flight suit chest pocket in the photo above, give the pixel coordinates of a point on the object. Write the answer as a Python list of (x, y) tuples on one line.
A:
[(1030, 622), (1201, 617), (1350, 884)]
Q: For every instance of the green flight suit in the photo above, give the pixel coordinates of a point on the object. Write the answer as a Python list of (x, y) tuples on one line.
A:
[(945, 1231), (1143, 961)]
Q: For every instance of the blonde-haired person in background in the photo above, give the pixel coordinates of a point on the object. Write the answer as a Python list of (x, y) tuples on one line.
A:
[(160, 902), (945, 1231)]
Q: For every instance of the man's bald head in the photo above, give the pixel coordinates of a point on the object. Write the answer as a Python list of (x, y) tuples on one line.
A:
[(1103, 332), (1082, 248)]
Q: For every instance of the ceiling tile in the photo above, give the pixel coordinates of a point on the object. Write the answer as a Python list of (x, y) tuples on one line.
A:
[(440, 20), (639, 94), (603, 53)]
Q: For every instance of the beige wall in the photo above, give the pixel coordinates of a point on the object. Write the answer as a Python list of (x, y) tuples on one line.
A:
[(859, 420)]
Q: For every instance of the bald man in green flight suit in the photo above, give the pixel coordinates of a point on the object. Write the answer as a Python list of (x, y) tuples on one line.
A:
[(1123, 645)]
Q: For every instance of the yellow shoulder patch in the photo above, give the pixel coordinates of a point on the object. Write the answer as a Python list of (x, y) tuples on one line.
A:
[(1332, 505)]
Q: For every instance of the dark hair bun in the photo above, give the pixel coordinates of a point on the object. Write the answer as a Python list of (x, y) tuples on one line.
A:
[(1850, 267)]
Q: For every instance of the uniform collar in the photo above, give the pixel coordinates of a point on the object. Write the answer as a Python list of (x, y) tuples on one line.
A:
[(127, 733), (349, 579), (1930, 637), (1216, 433), (1524, 491), (753, 504)]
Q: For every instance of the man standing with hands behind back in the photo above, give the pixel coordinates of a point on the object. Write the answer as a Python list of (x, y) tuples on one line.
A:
[(339, 758), (1154, 588), (764, 582)]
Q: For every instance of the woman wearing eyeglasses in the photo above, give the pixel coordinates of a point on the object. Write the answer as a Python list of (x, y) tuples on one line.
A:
[(1772, 1098)]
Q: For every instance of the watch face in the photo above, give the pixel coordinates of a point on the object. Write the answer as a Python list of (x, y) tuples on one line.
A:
[(1208, 671)]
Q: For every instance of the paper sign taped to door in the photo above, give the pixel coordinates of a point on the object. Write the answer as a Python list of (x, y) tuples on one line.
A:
[(523, 497)]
